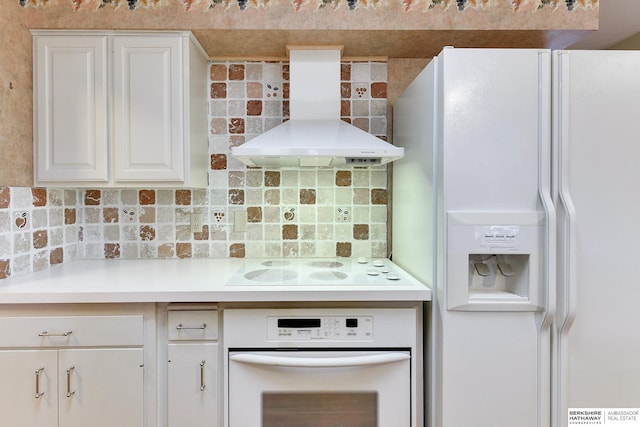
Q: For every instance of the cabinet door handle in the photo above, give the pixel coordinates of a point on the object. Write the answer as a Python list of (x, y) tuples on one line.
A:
[(47, 334), (180, 327), (38, 392), (202, 386), (69, 392)]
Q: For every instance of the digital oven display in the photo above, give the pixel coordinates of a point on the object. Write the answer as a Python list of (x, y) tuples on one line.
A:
[(299, 323), (341, 328), (311, 323)]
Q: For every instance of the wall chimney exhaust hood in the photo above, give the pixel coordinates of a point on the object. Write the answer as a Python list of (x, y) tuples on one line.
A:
[(314, 135)]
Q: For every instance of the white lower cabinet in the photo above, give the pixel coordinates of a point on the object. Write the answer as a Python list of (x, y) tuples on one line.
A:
[(192, 385), (72, 371), (71, 388), (101, 387), (98, 365), (29, 388), (193, 380)]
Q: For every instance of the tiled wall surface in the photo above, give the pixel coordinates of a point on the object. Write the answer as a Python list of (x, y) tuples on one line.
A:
[(38, 228), (322, 212)]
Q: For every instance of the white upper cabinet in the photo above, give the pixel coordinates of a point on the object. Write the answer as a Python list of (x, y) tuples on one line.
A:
[(119, 109), (70, 109)]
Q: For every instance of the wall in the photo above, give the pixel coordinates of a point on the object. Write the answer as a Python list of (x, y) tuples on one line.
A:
[(631, 43), (312, 212), (43, 227), (260, 29)]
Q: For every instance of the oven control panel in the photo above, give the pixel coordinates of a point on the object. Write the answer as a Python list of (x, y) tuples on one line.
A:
[(334, 328)]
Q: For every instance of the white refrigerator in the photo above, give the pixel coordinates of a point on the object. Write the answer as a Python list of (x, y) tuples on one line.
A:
[(596, 191), (516, 202)]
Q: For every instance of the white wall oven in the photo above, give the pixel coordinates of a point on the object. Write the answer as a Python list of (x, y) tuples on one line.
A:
[(346, 367)]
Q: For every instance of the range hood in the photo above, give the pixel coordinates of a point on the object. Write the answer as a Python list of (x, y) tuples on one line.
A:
[(315, 135)]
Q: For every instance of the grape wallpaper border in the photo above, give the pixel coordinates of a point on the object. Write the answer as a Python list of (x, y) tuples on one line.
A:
[(205, 5)]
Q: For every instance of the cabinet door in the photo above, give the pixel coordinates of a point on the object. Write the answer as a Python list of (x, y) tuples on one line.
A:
[(148, 109), (101, 387), (193, 385), (28, 388), (70, 109)]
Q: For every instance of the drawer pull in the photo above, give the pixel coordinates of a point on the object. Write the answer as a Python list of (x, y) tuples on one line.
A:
[(47, 334), (180, 327), (69, 392), (202, 386), (38, 392)]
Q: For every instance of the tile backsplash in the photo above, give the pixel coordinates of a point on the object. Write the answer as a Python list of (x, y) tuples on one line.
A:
[(290, 212), (38, 228)]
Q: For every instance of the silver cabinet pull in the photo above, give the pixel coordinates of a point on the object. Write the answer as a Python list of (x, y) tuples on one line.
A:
[(202, 386), (180, 327), (69, 392), (38, 392), (47, 334)]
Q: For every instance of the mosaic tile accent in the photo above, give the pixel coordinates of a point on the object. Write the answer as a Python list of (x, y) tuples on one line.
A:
[(291, 212), (206, 5), (38, 228)]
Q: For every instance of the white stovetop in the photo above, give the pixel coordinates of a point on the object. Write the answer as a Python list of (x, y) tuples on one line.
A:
[(360, 272), (208, 280)]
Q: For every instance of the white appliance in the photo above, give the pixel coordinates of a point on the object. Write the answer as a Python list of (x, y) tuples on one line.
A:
[(322, 272), (597, 109), (473, 125), (315, 135), (479, 127), (347, 366)]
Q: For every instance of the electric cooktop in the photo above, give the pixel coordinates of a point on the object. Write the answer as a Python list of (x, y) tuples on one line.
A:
[(321, 271)]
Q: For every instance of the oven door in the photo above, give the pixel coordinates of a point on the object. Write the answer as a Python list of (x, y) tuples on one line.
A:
[(321, 388)]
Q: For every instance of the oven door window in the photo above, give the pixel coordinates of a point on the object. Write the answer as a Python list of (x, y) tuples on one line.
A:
[(354, 409), (319, 389)]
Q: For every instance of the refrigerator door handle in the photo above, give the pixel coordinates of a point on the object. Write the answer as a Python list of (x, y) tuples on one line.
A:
[(566, 276), (544, 185), (567, 236), (567, 297), (547, 319), (549, 259), (567, 244)]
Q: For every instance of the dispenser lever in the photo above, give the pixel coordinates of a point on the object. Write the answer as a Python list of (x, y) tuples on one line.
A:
[(482, 269), (503, 266)]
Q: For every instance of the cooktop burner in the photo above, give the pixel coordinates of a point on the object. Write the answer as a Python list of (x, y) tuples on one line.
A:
[(328, 275), (326, 264), (270, 275), (319, 272), (275, 263)]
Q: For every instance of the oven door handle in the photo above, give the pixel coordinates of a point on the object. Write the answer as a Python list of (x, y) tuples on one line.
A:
[(319, 362)]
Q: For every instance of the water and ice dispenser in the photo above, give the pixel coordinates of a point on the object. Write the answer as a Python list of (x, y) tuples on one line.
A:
[(494, 261)]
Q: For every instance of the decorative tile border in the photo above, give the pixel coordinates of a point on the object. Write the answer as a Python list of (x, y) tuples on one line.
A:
[(205, 5)]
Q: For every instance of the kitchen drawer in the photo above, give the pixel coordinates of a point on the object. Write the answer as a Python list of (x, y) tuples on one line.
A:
[(193, 325), (71, 331)]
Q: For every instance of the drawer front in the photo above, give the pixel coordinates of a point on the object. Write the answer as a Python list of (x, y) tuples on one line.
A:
[(189, 325), (71, 331)]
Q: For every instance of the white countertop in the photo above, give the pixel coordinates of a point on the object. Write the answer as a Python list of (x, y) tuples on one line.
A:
[(178, 280)]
